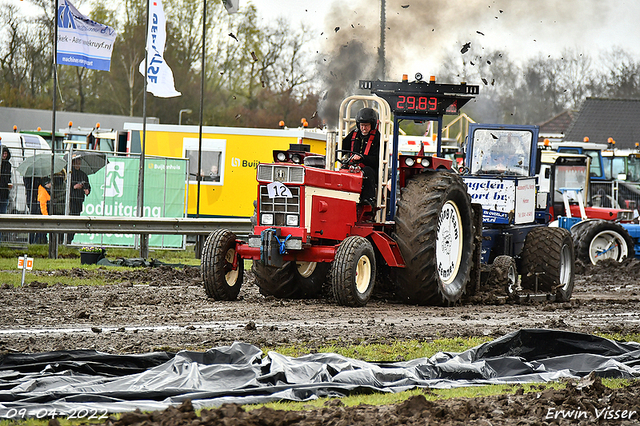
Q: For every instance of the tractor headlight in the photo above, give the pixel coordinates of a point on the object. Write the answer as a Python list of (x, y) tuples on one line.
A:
[(625, 216), (425, 162), (295, 158), (281, 156), (292, 220), (409, 162), (267, 219)]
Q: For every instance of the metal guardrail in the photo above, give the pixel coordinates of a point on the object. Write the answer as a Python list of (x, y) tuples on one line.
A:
[(120, 225)]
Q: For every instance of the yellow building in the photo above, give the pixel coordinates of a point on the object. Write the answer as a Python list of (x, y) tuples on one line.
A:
[(229, 159)]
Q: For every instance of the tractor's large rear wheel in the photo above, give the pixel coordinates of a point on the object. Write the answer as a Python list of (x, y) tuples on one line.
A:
[(221, 281), (548, 258), (434, 230), (598, 240), (294, 280)]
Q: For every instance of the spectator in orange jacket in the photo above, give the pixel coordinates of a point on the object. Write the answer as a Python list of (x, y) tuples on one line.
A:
[(43, 199)]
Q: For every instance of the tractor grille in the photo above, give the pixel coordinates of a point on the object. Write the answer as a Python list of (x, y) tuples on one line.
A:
[(280, 173), (280, 207)]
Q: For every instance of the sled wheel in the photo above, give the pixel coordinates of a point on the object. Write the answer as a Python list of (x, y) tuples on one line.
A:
[(221, 281), (353, 272), (598, 240), (434, 231), (292, 281), (504, 275), (548, 256)]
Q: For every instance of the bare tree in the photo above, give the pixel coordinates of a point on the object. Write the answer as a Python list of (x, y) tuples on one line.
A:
[(577, 78), (622, 77)]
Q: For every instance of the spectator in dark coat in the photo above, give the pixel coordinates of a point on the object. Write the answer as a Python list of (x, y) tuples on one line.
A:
[(5, 179), (80, 188)]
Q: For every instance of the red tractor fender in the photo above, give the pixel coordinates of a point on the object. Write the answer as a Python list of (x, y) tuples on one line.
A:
[(388, 248), (384, 244)]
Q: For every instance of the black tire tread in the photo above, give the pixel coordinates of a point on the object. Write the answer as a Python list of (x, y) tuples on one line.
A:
[(287, 283), (499, 272), (214, 266), (343, 271), (542, 253), (311, 286), (272, 281), (416, 231), (583, 236)]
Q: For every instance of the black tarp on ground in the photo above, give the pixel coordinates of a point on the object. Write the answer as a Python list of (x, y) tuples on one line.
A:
[(71, 381)]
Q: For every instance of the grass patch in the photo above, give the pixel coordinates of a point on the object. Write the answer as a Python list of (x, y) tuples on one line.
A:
[(392, 352), (65, 252), (633, 337), (429, 394), (15, 279), (69, 258)]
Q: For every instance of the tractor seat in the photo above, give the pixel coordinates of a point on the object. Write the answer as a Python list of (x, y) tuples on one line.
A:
[(314, 161)]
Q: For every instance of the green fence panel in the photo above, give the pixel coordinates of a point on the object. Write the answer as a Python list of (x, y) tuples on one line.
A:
[(114, 192)]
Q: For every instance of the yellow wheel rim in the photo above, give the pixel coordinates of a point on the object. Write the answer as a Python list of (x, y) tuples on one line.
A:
[(231, 277), (363, 274)]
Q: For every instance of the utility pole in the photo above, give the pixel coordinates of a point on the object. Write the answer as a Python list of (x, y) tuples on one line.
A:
[(53, 237), (381, 56), (200, 238)]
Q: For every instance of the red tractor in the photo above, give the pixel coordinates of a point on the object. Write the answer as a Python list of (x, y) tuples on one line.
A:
[(311, 227)]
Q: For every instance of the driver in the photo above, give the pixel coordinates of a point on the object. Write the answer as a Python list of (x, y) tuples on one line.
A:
[(364, 141)]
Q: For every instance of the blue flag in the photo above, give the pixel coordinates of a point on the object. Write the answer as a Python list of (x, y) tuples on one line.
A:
[(81, 41)]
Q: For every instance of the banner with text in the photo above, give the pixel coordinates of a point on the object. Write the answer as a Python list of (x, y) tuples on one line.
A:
[(503, 200), (81, 41), (115, 193)]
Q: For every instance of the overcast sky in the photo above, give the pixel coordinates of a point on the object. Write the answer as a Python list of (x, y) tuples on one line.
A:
[(421, 32), (425, 30)]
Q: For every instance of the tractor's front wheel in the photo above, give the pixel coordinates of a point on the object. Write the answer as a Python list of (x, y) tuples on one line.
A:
[(221, 281), (353, 272)]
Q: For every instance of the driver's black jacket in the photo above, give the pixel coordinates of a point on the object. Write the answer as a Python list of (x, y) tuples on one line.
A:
[(367, 146), (369, 149)]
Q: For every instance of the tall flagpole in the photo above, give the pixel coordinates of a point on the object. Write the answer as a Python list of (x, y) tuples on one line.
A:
[(381, 52), (200, 238), (53, 237), (143, 238)]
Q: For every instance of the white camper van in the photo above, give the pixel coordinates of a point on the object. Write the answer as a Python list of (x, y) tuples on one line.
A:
[(21, 146)]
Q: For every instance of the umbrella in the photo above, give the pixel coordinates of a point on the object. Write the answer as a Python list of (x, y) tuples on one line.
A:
[(39, 165), (90, 161)]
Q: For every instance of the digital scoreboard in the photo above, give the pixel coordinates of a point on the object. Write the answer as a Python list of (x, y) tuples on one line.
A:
[(421, 97)]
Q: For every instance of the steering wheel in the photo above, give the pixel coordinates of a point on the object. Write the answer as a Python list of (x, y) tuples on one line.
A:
[(349, 161)]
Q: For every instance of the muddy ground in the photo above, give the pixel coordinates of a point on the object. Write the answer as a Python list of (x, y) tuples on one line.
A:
[(166, 309)]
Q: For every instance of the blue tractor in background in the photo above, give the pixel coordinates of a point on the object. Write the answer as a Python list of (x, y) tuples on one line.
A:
[(600, 229), (501, 166)]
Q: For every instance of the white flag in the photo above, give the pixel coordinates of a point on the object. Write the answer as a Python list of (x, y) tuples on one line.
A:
[(159, 75)]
